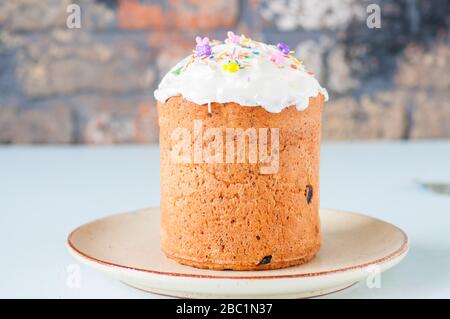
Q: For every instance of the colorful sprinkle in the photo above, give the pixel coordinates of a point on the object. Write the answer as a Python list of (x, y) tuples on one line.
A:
[(202, 49), (295, 60), (233, 38), (231, 67), (177, 71), (284, 48), (277, 58), (239, 54)]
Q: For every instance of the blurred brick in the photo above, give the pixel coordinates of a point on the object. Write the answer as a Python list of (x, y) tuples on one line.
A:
[(431, 115), (312, 53), (425, 72), (289, 15), (146, 122), (96, 15), (106, 120), (30, 15), (47, 124), (8, 120), (172, 47), (180, 14), (95, 84), (199, 14), (382, 116), (425, 68), (110, 127), (68, 62), (340, 78), (134, 15), (250, 16)]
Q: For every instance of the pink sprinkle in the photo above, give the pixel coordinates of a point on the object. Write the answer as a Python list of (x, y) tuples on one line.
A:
[(277, 57), (233, 38), (203, 49)]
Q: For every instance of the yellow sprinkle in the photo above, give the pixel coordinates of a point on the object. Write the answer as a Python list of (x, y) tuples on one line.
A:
[(295, 60), (231, 67)]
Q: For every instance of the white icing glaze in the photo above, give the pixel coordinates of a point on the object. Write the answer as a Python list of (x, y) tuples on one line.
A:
[(259, 82)]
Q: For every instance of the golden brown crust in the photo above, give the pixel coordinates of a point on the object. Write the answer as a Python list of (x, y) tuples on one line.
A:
[(237, 267), (230, 216)]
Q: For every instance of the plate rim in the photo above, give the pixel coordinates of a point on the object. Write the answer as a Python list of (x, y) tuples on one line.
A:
[(398, 253)]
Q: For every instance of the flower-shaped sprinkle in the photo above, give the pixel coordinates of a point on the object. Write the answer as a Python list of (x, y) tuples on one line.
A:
[(283, 47), (203, 48), (233, 38), (231, 67), (277, 57)]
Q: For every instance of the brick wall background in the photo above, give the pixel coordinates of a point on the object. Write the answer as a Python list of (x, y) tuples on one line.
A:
[(95, 84)]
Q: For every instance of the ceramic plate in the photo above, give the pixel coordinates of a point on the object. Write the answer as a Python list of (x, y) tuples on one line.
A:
[(126, 246)]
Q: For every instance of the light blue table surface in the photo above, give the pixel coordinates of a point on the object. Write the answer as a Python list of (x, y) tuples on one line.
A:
[(45, 192)]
